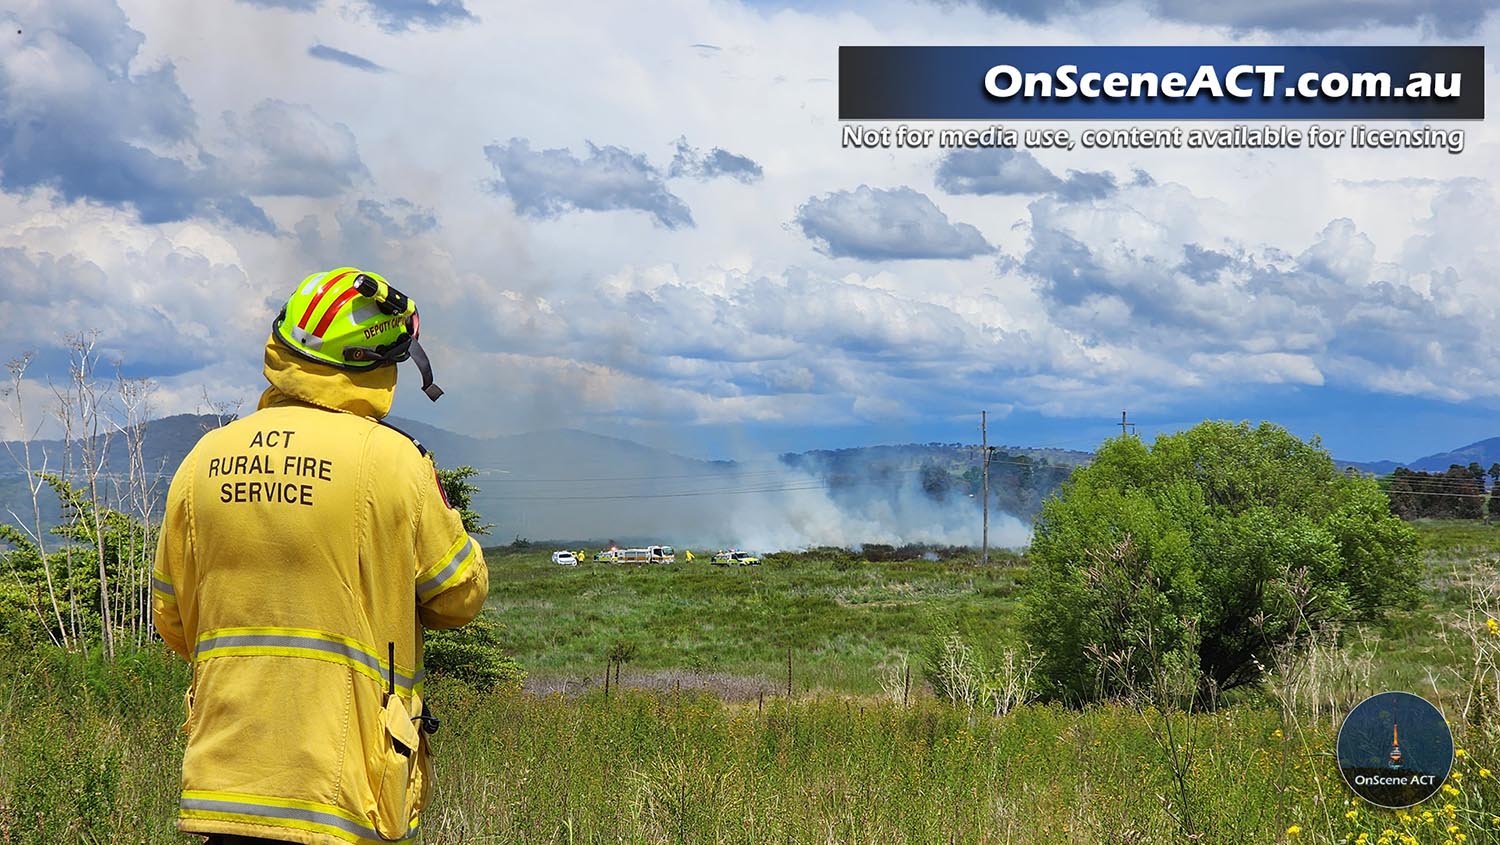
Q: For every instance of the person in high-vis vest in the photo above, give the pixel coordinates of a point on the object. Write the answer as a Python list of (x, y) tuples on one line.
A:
[(304, 548)]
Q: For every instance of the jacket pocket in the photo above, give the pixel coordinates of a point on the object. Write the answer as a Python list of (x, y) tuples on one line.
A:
[(399, 782)]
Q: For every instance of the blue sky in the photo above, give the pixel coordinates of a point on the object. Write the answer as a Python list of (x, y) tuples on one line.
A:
[(636, 219)]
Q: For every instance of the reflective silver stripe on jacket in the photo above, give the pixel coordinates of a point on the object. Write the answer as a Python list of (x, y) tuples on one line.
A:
[(214, 805), (350, 653), (163, 587), (462, 556)]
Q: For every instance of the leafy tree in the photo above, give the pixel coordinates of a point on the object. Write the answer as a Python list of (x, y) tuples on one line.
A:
[(1455, 494), (460, 494), (1208, 548), (474, 653)]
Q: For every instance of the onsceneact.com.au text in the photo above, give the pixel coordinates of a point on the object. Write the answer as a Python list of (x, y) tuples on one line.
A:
[(1239, 82)]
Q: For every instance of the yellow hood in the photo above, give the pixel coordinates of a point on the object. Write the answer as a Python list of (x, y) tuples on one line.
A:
[(367, 393)]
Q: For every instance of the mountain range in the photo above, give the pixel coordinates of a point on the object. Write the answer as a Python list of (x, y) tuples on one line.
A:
[(575, 484)]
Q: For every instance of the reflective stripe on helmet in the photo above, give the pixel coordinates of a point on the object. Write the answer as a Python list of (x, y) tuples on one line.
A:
[(304, 642), (363, 313), (311, 282), (309, 340), (333, 309), (318, 297)]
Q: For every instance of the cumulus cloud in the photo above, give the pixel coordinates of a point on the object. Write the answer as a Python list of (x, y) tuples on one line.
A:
[(77, 117), (693, 163), (1087, 185), (549, 183), (284, 149), (390, 15), (337, 56), (1450, 19), (878, 224), (392, 236), (1232, 311), (998, 171), (163, 301), (1006, 171)]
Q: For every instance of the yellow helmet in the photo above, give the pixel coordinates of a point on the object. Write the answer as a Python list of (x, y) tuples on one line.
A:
[(353, 320)]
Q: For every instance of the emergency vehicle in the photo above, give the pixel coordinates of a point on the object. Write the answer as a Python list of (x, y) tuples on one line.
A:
[(646, 554)]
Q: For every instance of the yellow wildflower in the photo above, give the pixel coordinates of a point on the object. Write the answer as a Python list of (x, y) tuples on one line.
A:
[(1493, 626), (1294, 830), (1483, 772), (1351, 814), (1459, 752), (1448, 789)]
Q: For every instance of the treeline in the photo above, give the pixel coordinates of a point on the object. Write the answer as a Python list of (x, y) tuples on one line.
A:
[(1458, 493)]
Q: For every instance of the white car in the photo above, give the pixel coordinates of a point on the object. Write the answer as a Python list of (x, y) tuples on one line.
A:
[(565, 558)]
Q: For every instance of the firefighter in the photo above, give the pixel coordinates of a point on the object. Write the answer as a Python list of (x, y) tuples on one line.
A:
[(304, 549)]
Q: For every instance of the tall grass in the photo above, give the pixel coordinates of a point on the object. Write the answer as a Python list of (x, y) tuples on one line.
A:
[(89, 747), (90, 750)]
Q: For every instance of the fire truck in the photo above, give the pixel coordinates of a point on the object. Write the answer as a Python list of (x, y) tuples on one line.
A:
[(646, 554)]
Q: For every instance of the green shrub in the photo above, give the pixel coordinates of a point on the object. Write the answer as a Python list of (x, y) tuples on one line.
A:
[(1217, 544), (472, 654)]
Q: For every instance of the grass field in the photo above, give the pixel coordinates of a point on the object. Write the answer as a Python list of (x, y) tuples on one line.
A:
[(89, 749), (846, 620)]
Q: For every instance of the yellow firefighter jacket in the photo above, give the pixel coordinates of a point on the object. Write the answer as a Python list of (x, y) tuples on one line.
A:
[(303, 547)]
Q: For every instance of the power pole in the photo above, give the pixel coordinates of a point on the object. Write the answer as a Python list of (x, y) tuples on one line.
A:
[(1126, 427), (984, 447)]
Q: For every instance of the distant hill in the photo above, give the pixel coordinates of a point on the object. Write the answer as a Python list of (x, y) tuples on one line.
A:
[(1484, 452), (570, 483)]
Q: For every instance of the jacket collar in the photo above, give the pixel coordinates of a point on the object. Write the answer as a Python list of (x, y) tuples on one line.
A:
[(366, 393)]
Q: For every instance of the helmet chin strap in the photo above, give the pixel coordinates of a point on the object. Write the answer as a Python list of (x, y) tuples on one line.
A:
[(409, 347), (419, 356)]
